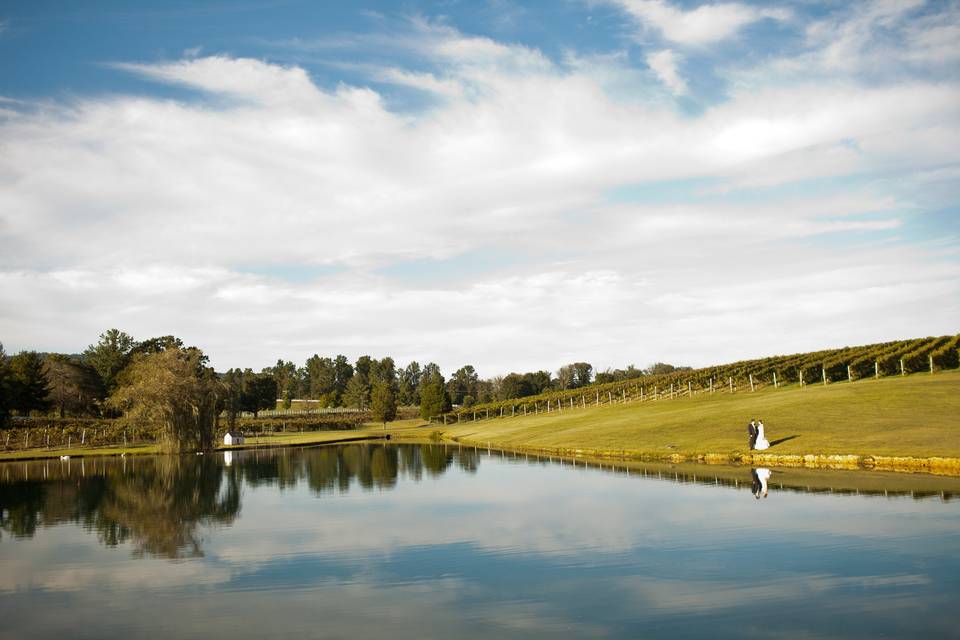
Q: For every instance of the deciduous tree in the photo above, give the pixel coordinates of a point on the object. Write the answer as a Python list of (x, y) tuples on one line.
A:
[(173, 391), (75, 387)]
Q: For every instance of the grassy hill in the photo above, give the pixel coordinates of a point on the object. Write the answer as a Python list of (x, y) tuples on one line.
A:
[(916, 415)]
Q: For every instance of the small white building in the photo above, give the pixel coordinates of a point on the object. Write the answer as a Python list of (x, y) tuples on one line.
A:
[(232, 437)]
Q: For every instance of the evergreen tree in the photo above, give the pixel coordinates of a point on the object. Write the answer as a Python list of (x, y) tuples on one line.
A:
[(6, 388), (110, 355), (383, 403), (343, 372), (357, 393), (258, 391), (31, 386), (433, 397), (463, 383), (232, 398), (409, 383)]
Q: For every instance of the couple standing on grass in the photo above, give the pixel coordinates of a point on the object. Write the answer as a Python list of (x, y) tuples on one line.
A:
[(758, 441)]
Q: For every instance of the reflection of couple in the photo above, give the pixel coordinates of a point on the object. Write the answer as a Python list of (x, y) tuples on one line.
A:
[(760, 477), (758, 441)]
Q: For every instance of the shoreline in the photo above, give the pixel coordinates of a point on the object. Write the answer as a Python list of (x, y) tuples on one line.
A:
[(151, 450), (933, 465)]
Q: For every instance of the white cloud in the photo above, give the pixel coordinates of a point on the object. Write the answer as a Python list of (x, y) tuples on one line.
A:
[(241, 77), (664, 64), (146, 213), (423, 81), (707, 24)]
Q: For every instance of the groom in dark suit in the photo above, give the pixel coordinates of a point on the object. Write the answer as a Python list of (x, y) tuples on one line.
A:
[(753, 431)]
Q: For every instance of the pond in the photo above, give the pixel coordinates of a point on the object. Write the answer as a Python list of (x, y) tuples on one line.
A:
[(414, 541)]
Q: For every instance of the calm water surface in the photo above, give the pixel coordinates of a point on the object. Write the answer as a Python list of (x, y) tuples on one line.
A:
[(373, 541)]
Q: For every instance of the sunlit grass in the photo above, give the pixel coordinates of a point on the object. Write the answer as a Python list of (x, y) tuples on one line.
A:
[(910, 416)]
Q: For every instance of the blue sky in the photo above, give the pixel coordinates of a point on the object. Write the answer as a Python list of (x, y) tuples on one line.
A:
[(512, 185)]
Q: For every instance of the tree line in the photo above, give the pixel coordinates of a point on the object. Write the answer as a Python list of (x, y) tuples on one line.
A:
[(161, 381)]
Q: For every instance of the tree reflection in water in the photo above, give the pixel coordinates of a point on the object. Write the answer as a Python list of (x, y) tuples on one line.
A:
[(159, 505)]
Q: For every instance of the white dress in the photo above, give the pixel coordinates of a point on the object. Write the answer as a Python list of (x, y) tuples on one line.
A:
[(761, 439), (764, 475)]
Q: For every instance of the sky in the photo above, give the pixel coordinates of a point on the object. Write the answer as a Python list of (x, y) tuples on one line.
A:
[(512, 185)]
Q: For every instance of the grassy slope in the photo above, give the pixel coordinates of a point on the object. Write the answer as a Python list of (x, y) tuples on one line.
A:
[(912, 416)]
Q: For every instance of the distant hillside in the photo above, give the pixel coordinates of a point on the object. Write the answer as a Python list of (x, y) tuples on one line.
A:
[(901, 357)]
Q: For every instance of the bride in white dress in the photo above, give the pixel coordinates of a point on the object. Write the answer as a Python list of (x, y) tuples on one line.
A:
[(761, 438)]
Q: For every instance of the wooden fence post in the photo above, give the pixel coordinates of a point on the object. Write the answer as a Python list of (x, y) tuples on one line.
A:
[(711, 384), (931, 362), (610, 397), (671, 391), (823, 374), (903, 370), (598, 398), (731, 383), (876, 369), (801, 378), (623, 393), (689, 389), (849, 375), (775, 385), (750, 375)]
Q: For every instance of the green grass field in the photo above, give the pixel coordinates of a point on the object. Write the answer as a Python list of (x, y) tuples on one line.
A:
[(913, 416), (917, 415)]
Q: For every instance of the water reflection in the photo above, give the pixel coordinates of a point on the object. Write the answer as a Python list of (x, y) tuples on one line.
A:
[(411, 541), (759, 479), (158, 504)]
